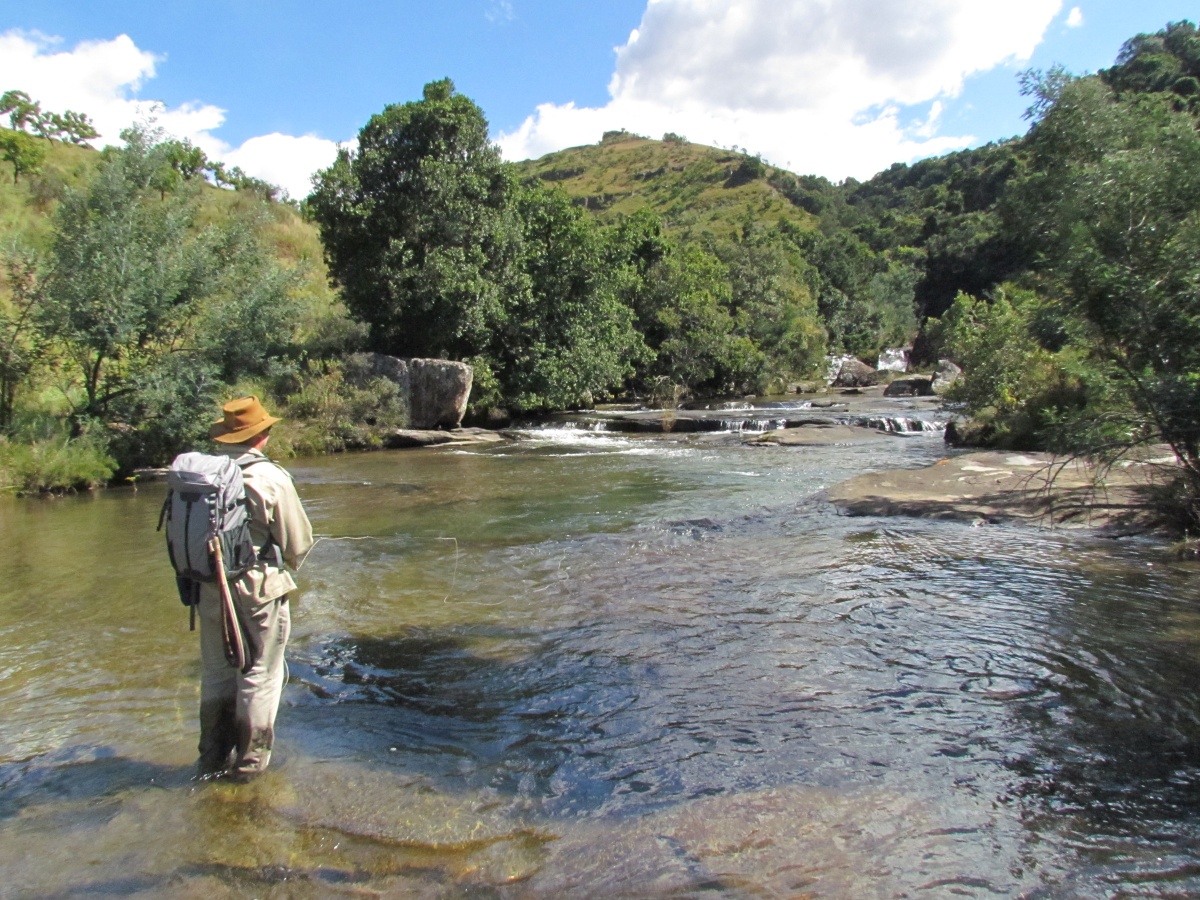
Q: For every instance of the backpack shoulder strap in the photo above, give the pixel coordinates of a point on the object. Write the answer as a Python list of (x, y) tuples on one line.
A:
[(247, 460)]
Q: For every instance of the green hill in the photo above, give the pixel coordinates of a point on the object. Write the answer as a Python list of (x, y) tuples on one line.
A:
[(27, 209), (26, 205), (697, 191)]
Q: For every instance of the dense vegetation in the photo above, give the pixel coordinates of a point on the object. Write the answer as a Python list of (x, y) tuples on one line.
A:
[(443, 250), (136, 295), (1059, 268)]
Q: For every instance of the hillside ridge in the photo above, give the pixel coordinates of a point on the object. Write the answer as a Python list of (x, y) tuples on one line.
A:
[(696, 190)]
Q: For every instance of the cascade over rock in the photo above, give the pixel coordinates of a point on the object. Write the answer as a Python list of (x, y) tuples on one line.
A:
[(894, 359)]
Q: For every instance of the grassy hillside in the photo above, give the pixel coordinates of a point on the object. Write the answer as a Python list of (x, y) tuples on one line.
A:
[(26, 206), (27, 209), (697, 191)]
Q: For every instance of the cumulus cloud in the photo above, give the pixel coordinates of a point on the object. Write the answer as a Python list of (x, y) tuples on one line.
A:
[(1075, 17), (832, 87), (284, 159), (103, 80)]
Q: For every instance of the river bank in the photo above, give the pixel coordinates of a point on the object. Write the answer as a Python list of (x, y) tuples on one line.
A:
[(995, 486)]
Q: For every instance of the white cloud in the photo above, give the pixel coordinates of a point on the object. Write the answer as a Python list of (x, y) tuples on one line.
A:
[(1075, 17), (499, 11), (284, 159), (103, 78), (818, 86)]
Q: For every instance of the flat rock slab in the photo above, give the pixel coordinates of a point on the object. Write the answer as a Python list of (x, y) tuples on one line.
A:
[(995, 486), (822, 435), (403, 438)]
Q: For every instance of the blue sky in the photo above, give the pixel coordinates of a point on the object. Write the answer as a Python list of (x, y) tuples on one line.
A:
[(834, 87)]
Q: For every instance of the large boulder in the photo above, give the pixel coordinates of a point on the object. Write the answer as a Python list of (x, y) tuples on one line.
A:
[(917, 386), (436, 390), (440, 389), (947, 373), (854, 373)]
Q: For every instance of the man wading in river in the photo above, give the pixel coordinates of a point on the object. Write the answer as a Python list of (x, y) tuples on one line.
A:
[(238, 706)]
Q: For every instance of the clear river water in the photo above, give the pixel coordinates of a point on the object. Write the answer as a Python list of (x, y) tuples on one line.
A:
[(586, 664)]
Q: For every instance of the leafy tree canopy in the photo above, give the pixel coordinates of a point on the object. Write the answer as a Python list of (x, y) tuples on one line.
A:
[(419, 226)]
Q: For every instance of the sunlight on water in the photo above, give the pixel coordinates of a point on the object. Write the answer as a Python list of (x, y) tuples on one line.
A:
[(593, 664)]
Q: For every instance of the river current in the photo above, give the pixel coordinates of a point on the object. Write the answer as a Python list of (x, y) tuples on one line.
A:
[(585, 664)]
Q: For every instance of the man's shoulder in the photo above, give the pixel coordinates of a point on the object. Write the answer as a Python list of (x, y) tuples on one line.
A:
[(263, 466), (261, 471)]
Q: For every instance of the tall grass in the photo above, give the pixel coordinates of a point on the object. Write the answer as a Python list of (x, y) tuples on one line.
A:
[(55, 465)]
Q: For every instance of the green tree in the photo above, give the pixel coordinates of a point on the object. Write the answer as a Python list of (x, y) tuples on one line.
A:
[(420, 228), (685, 314), (152, 311), (21, 346), (20, 109), (1116, 200), (1018, 390), (122, 268), (774, 309), (22, 152), (568, 337), (74, 128)]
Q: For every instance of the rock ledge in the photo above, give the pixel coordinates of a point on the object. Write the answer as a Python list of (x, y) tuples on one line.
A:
[(1035, 488)]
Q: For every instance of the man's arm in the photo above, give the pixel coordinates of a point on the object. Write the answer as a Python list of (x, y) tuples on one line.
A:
[(289, 525)]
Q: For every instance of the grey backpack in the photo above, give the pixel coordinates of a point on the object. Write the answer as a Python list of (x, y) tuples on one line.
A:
[(206, 498)]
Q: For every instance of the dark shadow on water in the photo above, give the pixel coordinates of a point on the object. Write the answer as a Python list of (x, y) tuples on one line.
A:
[(1116, 725), (508, 720), (88, 774)]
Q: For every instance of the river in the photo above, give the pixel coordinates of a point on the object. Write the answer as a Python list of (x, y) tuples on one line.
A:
[(586, 664)]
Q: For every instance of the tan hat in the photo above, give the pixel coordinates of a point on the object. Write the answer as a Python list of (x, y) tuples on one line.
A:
[(244, 418)]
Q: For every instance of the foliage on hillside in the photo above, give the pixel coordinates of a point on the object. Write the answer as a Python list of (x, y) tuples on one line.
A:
[(134, 298), (443, 251), (701, 194), (871, 256)]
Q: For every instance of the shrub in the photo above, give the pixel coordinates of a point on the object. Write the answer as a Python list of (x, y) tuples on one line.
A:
[(331, 413), (1021, 394), (57, 465)]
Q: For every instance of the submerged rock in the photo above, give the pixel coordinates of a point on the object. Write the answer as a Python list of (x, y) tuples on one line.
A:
[(404, 438), (917, 386)]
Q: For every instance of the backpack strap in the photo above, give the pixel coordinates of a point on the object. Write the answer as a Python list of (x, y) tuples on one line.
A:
[(244, 462)]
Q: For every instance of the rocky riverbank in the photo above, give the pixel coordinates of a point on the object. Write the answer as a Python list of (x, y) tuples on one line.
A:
[(1035, 488)]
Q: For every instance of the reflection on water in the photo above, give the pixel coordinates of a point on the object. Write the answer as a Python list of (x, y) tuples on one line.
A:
[(592, 664)]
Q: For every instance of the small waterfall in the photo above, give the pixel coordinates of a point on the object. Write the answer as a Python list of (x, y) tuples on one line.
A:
[(752, 426), (596, 426), (902, 424)]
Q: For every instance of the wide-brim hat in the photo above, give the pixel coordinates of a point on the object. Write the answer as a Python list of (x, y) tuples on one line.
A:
[(244, 418)]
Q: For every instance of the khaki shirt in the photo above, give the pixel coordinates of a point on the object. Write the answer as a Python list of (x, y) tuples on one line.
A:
[(276, 513)]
